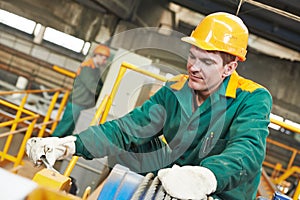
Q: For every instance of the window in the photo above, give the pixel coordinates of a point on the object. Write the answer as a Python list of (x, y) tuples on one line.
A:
[(17, 22), (50, 34), (86, 48), (63, 39)]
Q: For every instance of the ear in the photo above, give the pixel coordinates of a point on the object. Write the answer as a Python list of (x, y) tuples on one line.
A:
[(229, 68)]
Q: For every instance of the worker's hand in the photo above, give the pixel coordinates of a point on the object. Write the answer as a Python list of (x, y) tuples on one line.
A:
[(52, 148), (188, 182)]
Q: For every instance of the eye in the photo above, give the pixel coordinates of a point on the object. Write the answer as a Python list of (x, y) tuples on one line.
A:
[(191, 56), (208, 62)]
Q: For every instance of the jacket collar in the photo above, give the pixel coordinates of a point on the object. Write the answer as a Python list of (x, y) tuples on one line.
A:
[(185, 94), (232, 85)]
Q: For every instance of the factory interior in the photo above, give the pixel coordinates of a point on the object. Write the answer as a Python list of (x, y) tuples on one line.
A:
[(43, 43)]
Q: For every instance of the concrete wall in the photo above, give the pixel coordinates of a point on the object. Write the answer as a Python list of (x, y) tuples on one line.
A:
[(19, 57), (64, 15), (281, 77)]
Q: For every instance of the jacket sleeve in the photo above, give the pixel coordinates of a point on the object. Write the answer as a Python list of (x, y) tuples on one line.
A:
[(138, 127), (242, 158)]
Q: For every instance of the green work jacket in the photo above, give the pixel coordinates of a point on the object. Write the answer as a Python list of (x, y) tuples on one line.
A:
[(226, 134), (87, 85)]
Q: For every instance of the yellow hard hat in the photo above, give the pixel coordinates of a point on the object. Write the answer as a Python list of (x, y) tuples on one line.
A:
[(102, 50), (221, 32)]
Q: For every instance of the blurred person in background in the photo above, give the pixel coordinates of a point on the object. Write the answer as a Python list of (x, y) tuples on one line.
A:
[(86, 89)]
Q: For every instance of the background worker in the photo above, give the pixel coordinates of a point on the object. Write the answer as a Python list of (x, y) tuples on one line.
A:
[(215, 122), (86, 89)]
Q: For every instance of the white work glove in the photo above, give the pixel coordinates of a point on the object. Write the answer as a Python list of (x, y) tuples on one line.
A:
[(52, 148), (188, 182)]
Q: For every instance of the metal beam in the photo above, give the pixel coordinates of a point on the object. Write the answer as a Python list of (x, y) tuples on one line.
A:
[(264, 23)]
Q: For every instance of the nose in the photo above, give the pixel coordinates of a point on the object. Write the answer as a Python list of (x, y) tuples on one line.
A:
[(105, 60), (196, 65)]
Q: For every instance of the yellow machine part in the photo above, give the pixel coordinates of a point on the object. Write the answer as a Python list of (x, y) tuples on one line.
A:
[(52, 179), (48, 194)]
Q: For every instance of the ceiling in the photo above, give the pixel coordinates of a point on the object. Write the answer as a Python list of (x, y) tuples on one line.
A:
[(275, 20)]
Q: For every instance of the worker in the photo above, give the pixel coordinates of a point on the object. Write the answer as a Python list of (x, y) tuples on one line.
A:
[(214, 122), (86, 89)]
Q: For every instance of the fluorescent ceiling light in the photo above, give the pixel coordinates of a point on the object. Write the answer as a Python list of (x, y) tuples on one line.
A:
[(274, 126), (277, 117), (86, 48), (17, 22), (63, 39)]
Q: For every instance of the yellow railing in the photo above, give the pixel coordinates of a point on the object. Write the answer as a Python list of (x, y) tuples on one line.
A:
[(285, 125), (13, 124), (46, 121), (280, 174), (294, 153), (289, 172), (64, 71), (28, 120)]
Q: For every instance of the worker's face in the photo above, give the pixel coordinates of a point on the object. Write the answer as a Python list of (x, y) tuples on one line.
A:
[(206, 70), (100, 60)]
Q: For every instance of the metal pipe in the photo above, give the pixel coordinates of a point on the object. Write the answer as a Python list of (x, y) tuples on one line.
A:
[(86, 167), (281, 145), (10, 105), (17, 160), (2, 135), (275, 10), (294, 154), (48, 115), (99, 111), (7, 156), (71, 166), (285, 125), (8, 123), (143, 71), (31, 91), (113, 93), (64, 71)]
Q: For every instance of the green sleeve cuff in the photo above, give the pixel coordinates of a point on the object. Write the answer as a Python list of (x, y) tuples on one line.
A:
[(81, 150)]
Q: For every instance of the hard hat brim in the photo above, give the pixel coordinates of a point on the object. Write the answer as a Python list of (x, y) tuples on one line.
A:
[(199, 44), (205, 45)]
